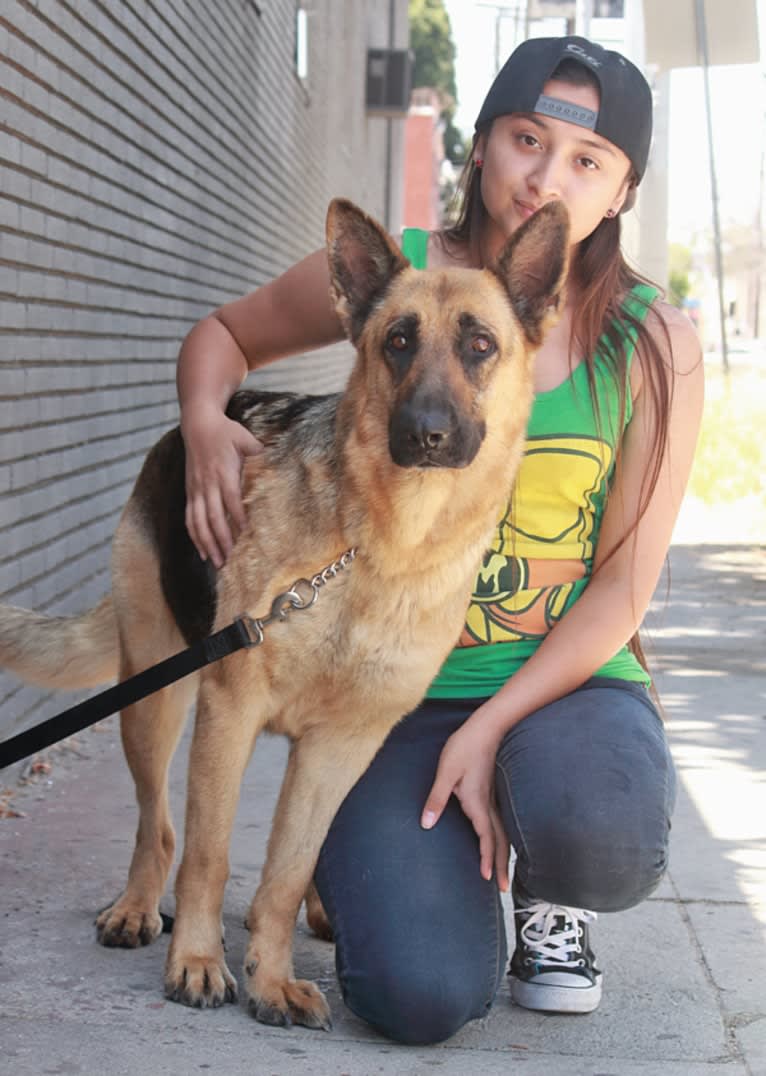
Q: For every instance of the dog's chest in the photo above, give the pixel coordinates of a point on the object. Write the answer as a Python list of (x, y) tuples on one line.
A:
[(359, 652)]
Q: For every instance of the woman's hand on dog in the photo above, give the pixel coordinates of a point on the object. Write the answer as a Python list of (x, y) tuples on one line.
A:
[(467, 770), (216, 449)]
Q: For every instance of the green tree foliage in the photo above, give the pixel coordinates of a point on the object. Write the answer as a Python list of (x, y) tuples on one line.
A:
[(680, 264), (431, 41), (678, 287)]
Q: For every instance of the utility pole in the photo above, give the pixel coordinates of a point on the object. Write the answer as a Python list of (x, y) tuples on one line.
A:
[(516, 9), (702, 45), (584, 13), (388, 191), (759, 227)]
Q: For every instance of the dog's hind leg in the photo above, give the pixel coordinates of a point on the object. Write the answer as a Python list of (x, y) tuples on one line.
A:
[(316, 916), (323, 766), (150, 731)]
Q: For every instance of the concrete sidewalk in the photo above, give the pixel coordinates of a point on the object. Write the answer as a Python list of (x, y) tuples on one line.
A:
[(685, 973)]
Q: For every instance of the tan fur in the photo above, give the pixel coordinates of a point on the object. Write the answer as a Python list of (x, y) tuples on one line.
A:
[(64, 653), (337, 677)]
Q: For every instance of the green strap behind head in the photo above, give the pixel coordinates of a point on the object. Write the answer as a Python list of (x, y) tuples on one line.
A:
[(415, 247)]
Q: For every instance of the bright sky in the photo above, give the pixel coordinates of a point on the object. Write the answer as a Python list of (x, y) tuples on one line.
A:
[(738, 96)]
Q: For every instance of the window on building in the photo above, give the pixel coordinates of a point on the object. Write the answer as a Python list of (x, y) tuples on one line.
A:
[(301, 43), (609, 9)]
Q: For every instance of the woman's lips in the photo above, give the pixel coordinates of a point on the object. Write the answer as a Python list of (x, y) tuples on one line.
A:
[(526, 209)]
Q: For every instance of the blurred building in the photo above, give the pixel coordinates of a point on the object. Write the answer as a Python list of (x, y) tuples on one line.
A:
[(154, 165), (734, 284)]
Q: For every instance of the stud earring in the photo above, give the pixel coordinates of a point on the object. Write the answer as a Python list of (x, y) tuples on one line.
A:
[(609, 214), (478, 162)]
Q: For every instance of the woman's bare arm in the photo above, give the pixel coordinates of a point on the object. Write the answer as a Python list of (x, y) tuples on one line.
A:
[(291, 314)]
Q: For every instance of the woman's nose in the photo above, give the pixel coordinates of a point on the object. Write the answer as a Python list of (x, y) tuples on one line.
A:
[(546, 179)]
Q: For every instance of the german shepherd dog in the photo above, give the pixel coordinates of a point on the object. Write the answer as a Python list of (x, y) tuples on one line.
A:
[(411, 465)]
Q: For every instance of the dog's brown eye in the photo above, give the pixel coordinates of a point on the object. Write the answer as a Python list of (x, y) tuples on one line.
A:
[(401, 344), (482, 345)]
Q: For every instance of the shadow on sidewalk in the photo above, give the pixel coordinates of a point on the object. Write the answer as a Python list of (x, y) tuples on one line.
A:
[(683, 972)]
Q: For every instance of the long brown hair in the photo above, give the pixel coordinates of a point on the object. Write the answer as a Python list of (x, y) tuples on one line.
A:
[(601, 324)]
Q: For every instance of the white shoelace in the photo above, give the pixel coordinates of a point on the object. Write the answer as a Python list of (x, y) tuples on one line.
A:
[(551, 943)]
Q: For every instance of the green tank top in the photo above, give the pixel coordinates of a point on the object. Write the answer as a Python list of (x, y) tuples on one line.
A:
[(541, 555)]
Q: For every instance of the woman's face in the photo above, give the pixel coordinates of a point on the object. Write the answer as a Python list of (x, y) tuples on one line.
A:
[(531, 159)]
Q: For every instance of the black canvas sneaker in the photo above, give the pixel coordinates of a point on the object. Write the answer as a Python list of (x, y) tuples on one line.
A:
[(553, 968)]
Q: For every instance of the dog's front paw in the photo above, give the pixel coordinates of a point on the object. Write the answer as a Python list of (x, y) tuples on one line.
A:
[(127, 925), (203, 982), (294, 1001)]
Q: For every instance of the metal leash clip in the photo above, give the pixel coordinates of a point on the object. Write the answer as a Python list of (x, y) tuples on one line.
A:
[(291, 599)]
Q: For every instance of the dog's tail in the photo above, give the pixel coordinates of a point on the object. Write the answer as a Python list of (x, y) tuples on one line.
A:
[(61, 652)]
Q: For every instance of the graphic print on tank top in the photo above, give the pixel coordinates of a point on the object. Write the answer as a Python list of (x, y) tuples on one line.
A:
[(544, 543)]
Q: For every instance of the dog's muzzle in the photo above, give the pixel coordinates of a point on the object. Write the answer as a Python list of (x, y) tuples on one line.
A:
[(432, 435)]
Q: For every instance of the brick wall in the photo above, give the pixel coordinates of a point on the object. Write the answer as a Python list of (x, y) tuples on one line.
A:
[(157, 158), (423, 159)]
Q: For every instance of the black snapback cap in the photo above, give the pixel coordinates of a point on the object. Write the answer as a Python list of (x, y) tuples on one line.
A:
[(624, 116)]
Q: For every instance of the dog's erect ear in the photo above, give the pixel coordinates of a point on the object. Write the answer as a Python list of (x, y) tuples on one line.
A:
[(363, 260), (533, 267)]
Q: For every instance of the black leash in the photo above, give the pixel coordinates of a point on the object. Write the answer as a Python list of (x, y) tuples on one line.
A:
[(137, 687), (244, 632)]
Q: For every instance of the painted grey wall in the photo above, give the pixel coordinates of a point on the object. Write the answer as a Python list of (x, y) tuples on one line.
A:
[(157, 158)]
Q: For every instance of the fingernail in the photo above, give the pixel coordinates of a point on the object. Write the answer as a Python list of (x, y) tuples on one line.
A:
[(428, 819)]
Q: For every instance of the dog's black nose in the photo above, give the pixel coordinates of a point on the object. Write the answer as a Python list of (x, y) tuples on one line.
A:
[(421, 436), (429, 438), (424, 429)]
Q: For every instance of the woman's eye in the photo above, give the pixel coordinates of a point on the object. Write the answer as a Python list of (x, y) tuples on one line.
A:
[(482, 345), (588, 163)]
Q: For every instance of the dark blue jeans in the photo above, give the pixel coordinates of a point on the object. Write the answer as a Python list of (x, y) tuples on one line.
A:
[(586, 788)]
